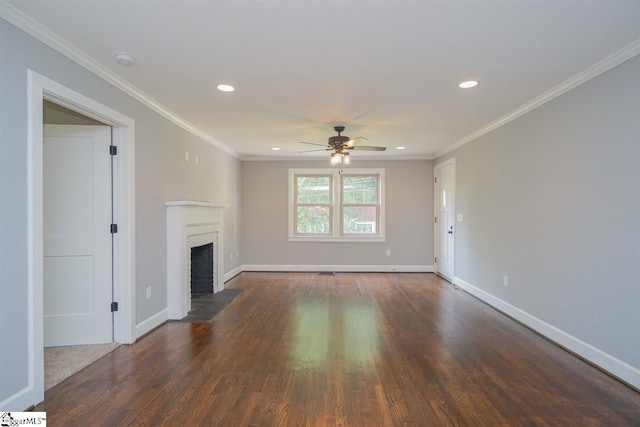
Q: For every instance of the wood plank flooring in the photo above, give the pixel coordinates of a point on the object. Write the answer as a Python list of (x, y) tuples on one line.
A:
[(354, 349)]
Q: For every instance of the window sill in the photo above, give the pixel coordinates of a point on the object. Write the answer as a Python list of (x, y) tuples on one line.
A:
[(333, 239)]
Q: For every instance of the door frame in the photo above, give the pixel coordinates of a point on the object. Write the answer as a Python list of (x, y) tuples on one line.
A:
[(436, 234), (40, 88)]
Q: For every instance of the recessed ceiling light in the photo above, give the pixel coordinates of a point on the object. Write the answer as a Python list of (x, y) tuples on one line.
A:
[(401, 148), (275, 148), (468, 84), (125, 59), (226, 88)]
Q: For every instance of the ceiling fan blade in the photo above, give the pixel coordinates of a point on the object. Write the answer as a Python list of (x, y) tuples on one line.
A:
[(367, 148), (322, 149), (355, 141), (312, 143)]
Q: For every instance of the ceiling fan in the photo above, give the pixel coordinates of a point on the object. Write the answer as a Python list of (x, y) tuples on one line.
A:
[(339, 144)]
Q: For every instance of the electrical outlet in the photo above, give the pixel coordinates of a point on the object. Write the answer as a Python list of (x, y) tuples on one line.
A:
[(505, 280), (148, 292), (186, 156), (388, 252), (196, 159)]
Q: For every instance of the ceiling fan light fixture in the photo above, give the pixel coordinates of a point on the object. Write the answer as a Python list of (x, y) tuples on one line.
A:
[(340, 145), (335, 159)]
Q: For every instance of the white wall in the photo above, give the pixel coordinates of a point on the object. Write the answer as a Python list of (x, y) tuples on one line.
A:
[(409, 218), (161, 174), (552, 200)]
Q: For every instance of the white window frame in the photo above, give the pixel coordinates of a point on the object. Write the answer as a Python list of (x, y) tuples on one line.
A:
[(336, 234)]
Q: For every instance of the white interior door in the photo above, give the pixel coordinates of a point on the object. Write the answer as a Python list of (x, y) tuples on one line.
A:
[(77, 239), (445, 211)]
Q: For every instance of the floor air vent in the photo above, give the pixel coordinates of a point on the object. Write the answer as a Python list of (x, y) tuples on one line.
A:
[(326, 273)]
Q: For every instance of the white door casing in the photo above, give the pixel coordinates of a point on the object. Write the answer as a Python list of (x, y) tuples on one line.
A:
[(77, 242), (445, 186), (39, 88)]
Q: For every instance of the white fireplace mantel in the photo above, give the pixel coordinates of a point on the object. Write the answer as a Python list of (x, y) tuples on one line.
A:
[(190, 224), (200, 204)]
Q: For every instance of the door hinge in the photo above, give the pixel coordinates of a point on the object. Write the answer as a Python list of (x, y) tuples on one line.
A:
[(435, 260), (435, 219), (113, 150), (114, 228), (435, 179), (114, 306)]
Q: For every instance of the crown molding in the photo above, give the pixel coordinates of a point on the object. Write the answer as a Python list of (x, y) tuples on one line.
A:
[(584, 76), (16, 17), (251, 158)]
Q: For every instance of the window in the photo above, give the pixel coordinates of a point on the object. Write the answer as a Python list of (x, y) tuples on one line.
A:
[(336, 205), (313, 205), (359, 204)]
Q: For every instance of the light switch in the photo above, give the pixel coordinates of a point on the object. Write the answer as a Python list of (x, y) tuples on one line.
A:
[(459, 218)]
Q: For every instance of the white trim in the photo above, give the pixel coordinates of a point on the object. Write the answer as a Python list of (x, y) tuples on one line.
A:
[(48, 37), (451, 161), (600, 67), (151, 323), (359, 158), (201, 204), (184, 224), (20, 400), (35, 29), (609, 363), (342, 268), (233, 273), (336, 236), (336, 239), (38, 89)]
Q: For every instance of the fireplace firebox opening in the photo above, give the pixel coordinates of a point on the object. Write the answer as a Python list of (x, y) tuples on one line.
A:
[(202, 269)]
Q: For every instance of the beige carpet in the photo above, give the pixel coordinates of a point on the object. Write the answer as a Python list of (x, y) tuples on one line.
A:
[(62, 362)]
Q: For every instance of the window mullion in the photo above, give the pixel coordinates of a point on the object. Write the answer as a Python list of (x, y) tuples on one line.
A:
[(336, 195)]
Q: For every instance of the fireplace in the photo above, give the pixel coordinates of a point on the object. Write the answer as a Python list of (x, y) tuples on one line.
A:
[(192, 225)]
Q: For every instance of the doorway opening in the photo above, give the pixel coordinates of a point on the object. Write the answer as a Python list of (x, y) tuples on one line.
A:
[(78, 248), (40, 90)]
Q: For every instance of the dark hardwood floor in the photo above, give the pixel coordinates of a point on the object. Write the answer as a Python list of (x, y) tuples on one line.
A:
[(302, 349)]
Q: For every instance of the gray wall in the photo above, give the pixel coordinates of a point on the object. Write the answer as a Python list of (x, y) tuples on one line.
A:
[(160, 171), (552, 200), (409, 217)]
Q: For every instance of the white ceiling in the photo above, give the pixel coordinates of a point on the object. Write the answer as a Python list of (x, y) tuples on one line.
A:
[(388, 70)]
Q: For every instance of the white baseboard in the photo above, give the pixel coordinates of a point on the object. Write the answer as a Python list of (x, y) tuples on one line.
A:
[(342, 268), (151, 323), (233, 273), (609, 363), (20, 401)]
